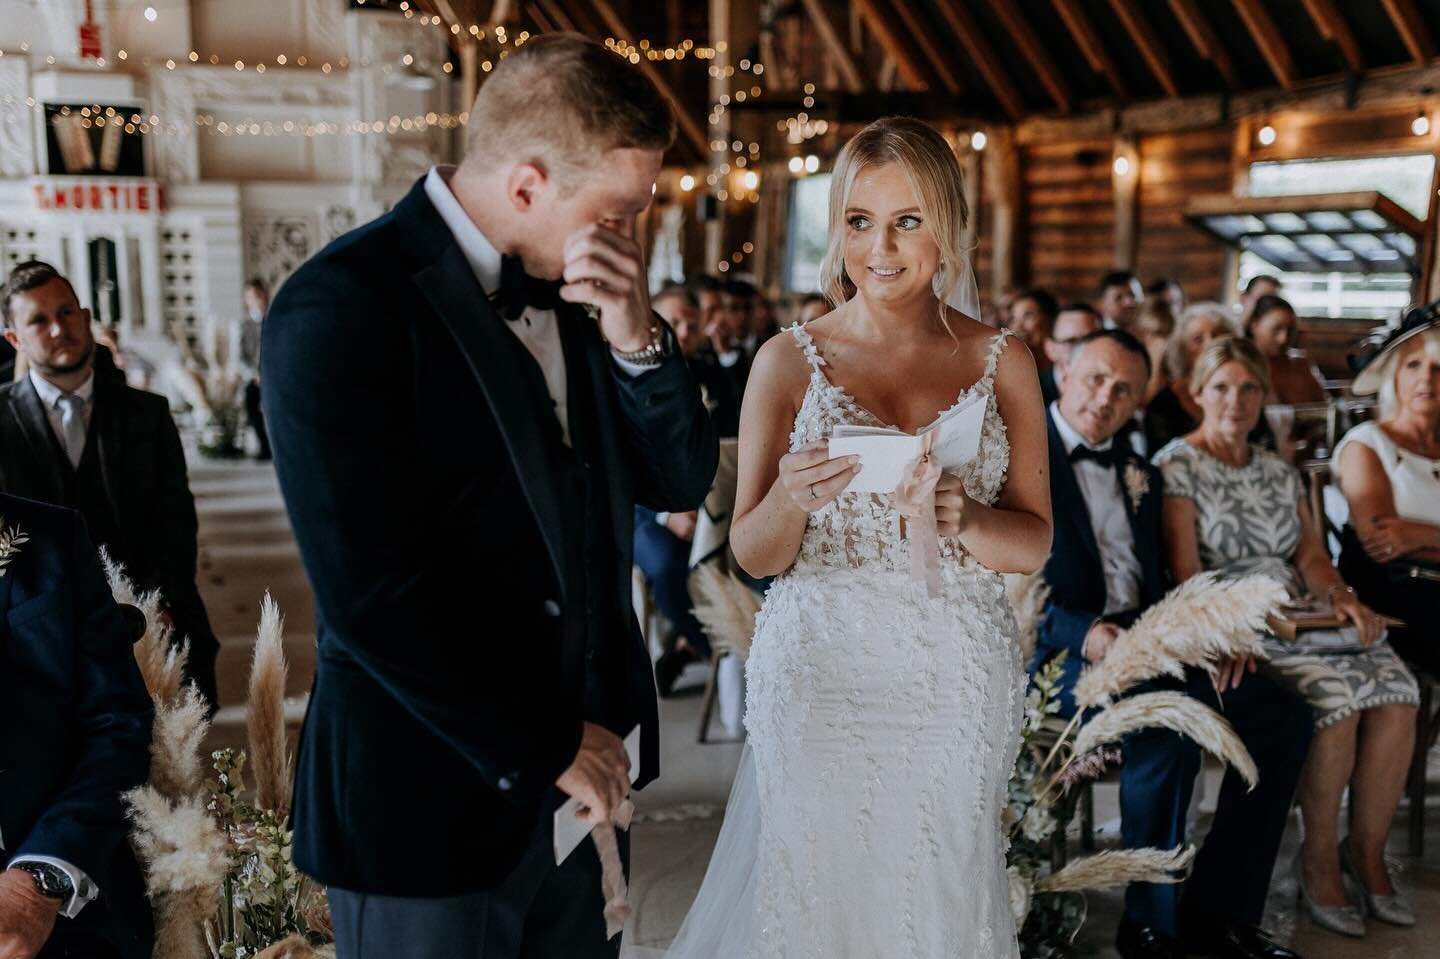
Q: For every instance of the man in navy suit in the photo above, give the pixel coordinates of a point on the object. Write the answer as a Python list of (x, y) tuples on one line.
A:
[(1106, 567), (74, 735)]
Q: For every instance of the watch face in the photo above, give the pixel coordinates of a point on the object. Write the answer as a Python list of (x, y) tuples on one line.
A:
[(50, 880)]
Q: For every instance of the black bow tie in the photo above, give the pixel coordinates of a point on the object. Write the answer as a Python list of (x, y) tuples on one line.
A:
[(519, 290), (1106, 457)]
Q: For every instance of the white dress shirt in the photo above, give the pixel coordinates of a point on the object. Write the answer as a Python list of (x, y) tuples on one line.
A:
[(1100, 486), (50, 399), (537, 329)]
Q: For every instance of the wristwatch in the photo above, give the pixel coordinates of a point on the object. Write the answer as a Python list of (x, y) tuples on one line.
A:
[(51, 881)]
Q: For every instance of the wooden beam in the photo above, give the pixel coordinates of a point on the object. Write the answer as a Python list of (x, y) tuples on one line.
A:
[(1003, 188), (840, 54), (687, 123), (1133, 19), (558, 14), (886, 80), (925, 40), (1332, 27), (985, 60), (1202, 37), (545, 24), (1126, 189), (1267, 37), (895, 47), (1090, 44), (1411, 29), (502, 11), (1034, 51)]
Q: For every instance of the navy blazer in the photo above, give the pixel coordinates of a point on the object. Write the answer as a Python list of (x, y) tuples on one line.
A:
[(449, 683), (1074, 573), (74, 721)]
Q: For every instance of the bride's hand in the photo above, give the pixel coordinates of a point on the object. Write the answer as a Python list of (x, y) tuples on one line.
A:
[(812, 479), (950, 501)]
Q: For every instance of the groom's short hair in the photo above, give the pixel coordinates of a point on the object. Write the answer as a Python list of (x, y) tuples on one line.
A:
[(561, 101)]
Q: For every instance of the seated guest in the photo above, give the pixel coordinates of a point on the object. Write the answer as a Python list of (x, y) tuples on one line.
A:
[(73, 437), (1072, 323), (1389, 471), (75, 734), (678, 306), (1154, 325), (720, 366), (759, 323), (1173, 411), (1234, 506), (1262, 284), (812, 307), (1032, 319), (1171, 292), (1118, 299), (1106, 567), (1273, 328), (662, 551)]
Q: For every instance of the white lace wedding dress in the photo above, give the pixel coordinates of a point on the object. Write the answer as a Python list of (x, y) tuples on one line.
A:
[(865, 818)]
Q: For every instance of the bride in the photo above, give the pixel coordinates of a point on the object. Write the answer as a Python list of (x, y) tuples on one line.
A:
[(865, 818)]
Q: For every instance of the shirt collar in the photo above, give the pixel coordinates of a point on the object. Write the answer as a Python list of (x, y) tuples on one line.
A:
[(50, 393), (1069, 436), (479, 252)]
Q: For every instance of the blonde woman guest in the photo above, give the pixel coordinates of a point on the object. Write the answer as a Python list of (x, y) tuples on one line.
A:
[(1173, 411), (883, 717), (1389, 470), (1234, 506)]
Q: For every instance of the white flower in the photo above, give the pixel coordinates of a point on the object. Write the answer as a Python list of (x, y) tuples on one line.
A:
[(1038, 824), (1137, 484), (1020, 892), (10, 542)]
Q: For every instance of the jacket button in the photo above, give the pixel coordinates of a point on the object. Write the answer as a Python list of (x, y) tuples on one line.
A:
[(552, 609), (506, 784)]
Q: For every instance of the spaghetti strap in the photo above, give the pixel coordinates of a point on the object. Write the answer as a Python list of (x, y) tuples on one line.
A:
[(992, 360), (807, 344)]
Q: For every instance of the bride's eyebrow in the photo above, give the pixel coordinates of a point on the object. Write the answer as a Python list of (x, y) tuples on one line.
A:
[(909, 210)]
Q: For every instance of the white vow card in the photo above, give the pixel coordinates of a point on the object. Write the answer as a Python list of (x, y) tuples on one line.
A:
[(570, 831), (884, 453)]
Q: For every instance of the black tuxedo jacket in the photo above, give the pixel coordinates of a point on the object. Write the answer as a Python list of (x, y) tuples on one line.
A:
[(74, 723), (150, 523), (448, 691), (1074, 572)]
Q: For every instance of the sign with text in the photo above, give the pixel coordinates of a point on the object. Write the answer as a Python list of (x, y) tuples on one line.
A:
[(88, 195)]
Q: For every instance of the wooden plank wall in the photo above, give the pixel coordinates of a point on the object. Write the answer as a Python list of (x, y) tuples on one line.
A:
[(1068, 217), (1172, 168)]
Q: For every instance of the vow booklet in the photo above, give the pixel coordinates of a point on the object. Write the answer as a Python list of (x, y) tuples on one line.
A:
[(884, 453), (570, 831)]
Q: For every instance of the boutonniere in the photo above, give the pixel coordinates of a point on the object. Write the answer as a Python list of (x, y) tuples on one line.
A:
[(10, 542), (1137, 484)]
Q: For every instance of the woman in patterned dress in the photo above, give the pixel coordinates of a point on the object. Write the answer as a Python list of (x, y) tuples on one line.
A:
[(1237, 507)]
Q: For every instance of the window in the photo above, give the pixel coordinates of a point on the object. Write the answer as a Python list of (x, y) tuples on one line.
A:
[(808, 228), (1404, 179)]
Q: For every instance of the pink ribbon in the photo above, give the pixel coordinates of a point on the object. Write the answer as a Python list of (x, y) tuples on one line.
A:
[(915, 500), (612, 873)]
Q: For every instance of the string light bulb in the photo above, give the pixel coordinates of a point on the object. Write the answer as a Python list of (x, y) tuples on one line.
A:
[(978, 139), (687, 183), (151, 14), (1420, 125), (812, 163), (1122, 166), (1266, 136), (797, 165)]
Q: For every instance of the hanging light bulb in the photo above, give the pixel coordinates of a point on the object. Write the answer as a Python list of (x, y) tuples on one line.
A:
[(1122, 165), (978, 139), (751, 179), (1266, 136), (687, 183), (1420, 125), (812, 163), (797, 165)]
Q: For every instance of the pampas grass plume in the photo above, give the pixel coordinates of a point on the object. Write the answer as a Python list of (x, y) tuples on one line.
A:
[(178, 731), (1202, 621), (725, 607), (162, 663), (1120, 867), (265, 720), (1179, 712)]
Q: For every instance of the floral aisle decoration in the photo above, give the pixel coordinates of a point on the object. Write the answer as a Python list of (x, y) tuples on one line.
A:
[(216, 388), (1201, 622), (217, 863)]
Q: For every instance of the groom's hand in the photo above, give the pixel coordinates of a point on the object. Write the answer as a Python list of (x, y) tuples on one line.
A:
[(600, 775), (604, 268)]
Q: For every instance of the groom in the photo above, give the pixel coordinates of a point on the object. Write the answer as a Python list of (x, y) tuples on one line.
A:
[(463, 502), (1106, 567)]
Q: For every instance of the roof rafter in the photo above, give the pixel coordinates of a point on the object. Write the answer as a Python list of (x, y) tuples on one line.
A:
[(986, 62), (1135, 23), (845, 64), (1090, 44), (1411, 29), (1332, 27), (1267, 37), (1202, 36), (925, 40), (911, 70), (1034, 51)]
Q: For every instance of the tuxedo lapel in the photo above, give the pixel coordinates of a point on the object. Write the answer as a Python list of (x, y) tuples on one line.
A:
[(1144, 529), (1067, 500), (35, 426), (450, 286)]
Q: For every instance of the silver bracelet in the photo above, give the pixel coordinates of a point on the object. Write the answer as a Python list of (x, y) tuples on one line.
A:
[(1330, 593), (649, 355)]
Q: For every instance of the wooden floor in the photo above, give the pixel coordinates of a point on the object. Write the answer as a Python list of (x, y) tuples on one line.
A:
[(247, 548)]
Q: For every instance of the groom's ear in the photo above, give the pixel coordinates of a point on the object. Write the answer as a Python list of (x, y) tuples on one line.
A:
[(524, 185)]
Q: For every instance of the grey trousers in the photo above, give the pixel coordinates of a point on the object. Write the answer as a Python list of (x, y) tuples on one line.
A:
[(541, 911)]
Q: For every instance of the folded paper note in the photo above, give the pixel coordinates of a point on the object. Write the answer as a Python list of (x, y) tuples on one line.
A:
[(884, 453), (570, 829)]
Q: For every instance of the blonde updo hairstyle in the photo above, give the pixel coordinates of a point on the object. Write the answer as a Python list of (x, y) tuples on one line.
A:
[(933, 173), (1230, 349)]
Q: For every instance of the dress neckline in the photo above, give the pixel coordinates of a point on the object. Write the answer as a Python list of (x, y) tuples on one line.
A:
[(812, 354)]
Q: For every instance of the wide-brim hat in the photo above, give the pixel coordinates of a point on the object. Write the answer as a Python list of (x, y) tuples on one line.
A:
[(1372, 364)]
